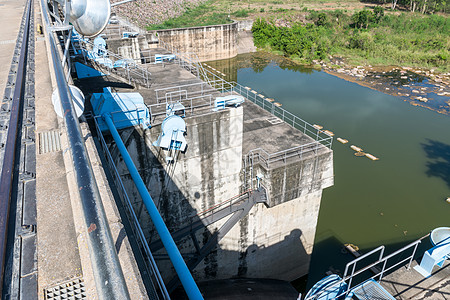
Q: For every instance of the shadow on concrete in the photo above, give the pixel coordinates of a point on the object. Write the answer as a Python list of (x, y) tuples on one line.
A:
[(250, 261), (243, 288), (438, 155)]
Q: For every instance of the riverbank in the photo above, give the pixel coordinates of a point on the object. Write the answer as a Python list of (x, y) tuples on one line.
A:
[(419, 87)]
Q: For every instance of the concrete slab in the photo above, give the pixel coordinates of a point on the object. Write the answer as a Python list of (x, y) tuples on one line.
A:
[(11, 12), (409, 284), (263, 130)]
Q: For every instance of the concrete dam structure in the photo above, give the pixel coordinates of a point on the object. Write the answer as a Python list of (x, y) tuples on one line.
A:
[(243, 199)]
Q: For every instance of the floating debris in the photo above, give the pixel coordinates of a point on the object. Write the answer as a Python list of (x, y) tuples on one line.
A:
[(372, 157), (343, 141), (351, 247), (448, 200), (356, 148), (330, 133), (318, 126)]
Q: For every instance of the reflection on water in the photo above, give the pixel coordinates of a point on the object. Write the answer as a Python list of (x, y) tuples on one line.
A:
[(392, 201)]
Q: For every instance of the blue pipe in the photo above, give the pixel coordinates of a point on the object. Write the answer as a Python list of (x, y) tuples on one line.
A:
[(180, 266)]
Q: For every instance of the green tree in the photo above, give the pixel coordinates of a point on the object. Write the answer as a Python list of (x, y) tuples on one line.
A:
[(378, 13)]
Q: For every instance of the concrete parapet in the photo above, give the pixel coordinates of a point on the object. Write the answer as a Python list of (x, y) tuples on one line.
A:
[(208, 42), (288, 181)]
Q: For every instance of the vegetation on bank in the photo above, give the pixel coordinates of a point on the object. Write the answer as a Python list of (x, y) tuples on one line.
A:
[(367, 36), (202, 15)]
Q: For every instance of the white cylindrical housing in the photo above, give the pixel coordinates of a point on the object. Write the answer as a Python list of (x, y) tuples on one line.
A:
[(77, 100)]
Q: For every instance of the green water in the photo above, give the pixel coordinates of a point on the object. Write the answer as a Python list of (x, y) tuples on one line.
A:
[(392, 201)]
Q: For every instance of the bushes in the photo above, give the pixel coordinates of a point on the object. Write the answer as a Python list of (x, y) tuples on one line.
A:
[(388, 39), (306, 42)]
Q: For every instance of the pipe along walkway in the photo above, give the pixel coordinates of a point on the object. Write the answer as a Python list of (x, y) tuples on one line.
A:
[(180, 266)]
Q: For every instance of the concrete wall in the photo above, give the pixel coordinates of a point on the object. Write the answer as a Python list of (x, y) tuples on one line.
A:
[(273, 241), (286, 182), (208, 42)]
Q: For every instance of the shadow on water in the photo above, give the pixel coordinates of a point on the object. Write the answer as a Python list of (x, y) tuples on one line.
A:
[(438, 165)]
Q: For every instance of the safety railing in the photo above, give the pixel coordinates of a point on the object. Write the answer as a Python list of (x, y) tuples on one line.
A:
[(226, 87), (130, 69), (188, 60), (382, 262), (266, 159), (194, 106), (152, 268), (227, 203), (187, 90)]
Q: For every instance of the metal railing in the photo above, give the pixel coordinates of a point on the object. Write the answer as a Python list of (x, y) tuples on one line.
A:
[(132, 71), (150, 263), (188, 90), (381, 261), (188, 60), (194, 106)]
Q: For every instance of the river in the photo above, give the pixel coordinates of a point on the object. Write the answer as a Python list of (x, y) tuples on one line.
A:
[(392, 201)]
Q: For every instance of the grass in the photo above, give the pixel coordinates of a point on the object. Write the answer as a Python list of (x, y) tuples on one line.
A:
[(202, 15)]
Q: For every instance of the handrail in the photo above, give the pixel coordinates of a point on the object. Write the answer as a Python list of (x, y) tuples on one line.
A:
[(130, 67), (380, 274), (6, 181), (134, 219), (108, 275)]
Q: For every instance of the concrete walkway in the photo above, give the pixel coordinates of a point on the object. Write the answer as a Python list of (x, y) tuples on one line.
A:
[(58, 257), (11, 12)]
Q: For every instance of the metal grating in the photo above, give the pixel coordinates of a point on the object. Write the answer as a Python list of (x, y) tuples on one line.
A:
[(49, 141), (274, 120), (7, 42), (371, 290), (70, 290)]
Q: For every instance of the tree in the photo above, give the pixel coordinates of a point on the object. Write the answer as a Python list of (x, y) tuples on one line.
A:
[(322, 19), (378, 13), (362, 18)]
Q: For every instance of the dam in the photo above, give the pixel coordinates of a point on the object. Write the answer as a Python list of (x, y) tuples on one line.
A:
[(243, 198)]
